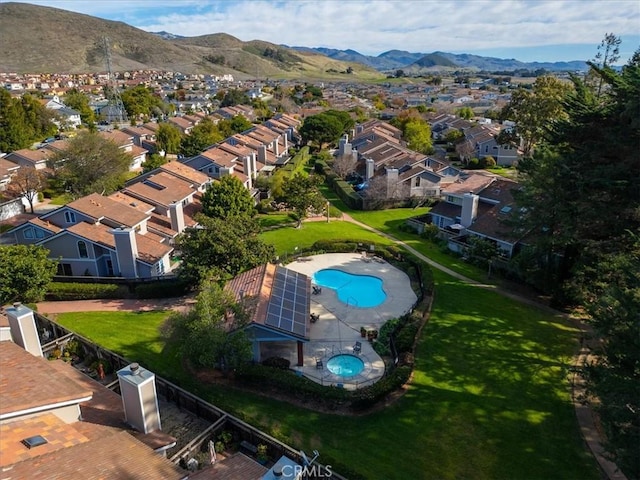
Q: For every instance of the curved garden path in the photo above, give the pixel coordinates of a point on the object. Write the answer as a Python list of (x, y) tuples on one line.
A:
[(583, 412)]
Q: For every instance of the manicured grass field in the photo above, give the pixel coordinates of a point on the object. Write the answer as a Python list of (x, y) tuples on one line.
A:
[(489, 397), (134, 335), (286, 239)]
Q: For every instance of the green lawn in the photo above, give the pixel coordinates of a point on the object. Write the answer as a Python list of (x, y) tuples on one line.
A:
[(489, 398), (286, 239)]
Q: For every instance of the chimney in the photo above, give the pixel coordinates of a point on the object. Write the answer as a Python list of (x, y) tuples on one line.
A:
[(469, 209), (246, 165), (139, 398), (126, 251), (23, 328), (285, 140), (276, 147), (262, 154), (177, 216), (254, 166), (369, 168), (392, 182), (353, 133), (344, 146)]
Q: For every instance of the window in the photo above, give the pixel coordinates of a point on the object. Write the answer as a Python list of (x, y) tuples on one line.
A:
[(82, 249), (109, 268), (160, 268), (39, 233), (417, 181), (64, 269), (69, 217), (28, 233)]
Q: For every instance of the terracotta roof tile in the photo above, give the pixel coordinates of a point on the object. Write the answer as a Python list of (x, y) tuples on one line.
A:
[(25, 381), (118, 137), (149, 249), (98, 207), (57, 433), (185, 172), (132, 202), (236, 467), (115, 456), (161, 189)]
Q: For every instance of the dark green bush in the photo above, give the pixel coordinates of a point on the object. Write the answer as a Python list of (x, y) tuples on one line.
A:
[(85, 291), (382, 345), (405, 337), (287, 381), (162, 289), (369, 396), (277, 362)]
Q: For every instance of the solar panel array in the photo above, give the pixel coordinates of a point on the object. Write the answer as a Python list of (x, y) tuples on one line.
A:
[(290, 302)]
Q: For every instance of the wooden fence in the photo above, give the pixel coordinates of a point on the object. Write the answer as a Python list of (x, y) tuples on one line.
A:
[(220, 420)]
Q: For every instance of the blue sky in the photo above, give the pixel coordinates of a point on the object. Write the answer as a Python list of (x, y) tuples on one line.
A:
[(527, 30)]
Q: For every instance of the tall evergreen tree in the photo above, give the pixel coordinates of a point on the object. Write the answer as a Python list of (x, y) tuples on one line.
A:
[(581, 200)]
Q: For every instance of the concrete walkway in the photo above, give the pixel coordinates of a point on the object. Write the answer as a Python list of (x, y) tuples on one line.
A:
[(338, 326), (584, 414)]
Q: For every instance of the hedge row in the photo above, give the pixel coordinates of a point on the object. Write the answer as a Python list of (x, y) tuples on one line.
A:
[(85, 291), (165, 289), (303, 389), (94, 291), (297, 386), (339, 186)]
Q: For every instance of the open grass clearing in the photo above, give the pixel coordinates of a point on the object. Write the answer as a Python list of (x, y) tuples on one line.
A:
[(288, 238), (489, 398)]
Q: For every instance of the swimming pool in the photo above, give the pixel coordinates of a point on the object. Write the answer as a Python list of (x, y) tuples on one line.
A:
[(357, 290), (345, 365)]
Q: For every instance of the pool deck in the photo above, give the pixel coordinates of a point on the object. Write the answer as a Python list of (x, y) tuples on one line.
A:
[(338, 326)]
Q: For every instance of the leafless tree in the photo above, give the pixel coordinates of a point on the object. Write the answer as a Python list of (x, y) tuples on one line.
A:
[(380, 191), (465, 149), (343, 165), (27, 182)]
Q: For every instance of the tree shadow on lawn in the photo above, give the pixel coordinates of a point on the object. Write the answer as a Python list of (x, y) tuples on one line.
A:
[(458, 434)]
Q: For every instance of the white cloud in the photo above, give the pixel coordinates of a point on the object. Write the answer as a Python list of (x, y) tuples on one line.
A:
[(374, 26)]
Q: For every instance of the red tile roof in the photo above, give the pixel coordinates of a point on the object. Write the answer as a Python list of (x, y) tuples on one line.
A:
[(25, 382), (149, 250), (98, 207), (161, 189)]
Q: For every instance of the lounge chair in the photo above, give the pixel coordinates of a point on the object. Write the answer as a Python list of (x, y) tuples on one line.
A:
[(317, 290), (319, 364), (314, 317), (357, 347), (365, 258)]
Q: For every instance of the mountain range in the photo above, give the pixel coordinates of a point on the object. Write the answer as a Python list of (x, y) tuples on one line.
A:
[(408, 61), (51, 40)]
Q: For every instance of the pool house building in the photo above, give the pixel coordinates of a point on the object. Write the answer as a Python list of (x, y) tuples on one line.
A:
[(278, 302)]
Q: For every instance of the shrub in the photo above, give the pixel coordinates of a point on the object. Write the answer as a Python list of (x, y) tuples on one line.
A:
[(265, 206), (382, 345), (430, 232), (106, 366), (488, 162), (277, 362), (85, 291), (405, 337), (473, 164), (369, 396), (162, 289)]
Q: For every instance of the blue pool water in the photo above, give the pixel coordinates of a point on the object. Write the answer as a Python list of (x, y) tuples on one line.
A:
[(345, 365), (356, 290)]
